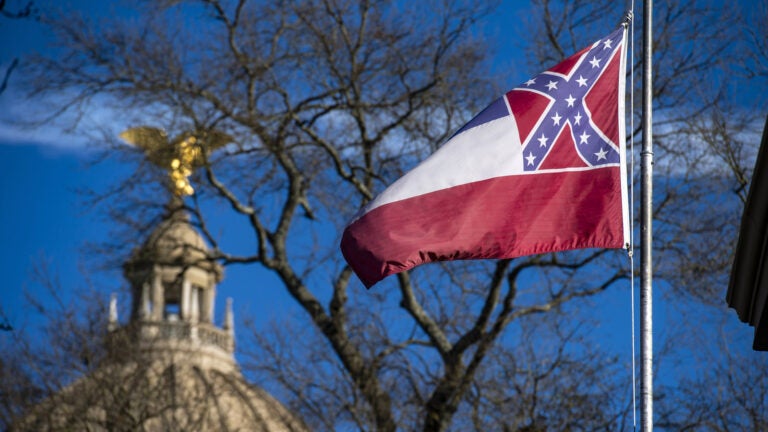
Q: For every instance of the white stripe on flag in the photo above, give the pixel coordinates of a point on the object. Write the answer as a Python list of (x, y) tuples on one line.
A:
[(463, 159)]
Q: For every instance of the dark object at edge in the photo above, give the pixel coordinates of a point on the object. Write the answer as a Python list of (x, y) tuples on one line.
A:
[(748, 287)]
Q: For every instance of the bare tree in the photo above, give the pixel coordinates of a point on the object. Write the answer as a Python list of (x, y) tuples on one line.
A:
[(537, 383), (729, 394), (756, 45), (327, 102), (26, 11)]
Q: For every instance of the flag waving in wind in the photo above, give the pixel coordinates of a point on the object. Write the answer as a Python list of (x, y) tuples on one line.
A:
[(541, 169)]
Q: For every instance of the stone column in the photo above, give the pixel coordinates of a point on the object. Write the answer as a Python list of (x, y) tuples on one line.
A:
[(205, 306), (158, 297), (194, 304), (211, 303), (229, 318), (112, 312), (229, 325), (144, 307), (186, 300)]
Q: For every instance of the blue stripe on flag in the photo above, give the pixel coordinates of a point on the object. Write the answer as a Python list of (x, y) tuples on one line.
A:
[(496, 110)]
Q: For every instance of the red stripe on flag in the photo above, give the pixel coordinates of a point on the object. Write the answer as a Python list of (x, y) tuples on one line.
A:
[(503, 217)]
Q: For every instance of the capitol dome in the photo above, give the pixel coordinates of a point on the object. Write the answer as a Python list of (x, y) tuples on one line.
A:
[(169, 367)]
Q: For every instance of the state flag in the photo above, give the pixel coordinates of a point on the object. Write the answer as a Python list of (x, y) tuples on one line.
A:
[(541, 169)]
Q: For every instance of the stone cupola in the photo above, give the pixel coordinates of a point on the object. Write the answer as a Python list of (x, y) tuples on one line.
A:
[(173, 288)]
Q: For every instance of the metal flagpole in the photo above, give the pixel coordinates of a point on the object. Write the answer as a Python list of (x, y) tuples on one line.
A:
[(646, 220)]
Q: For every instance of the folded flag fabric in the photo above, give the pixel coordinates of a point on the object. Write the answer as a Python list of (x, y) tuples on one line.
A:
[(748, 286), (541, 169)]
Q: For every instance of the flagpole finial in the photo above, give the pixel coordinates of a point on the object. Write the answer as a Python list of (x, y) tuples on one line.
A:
[(627, 18)]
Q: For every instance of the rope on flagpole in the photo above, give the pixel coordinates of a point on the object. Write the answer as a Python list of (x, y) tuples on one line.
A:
[(630, 250)]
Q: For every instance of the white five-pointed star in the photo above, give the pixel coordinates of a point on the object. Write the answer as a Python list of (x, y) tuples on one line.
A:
[(601, 154), (577, 119), (542, 140), (582, 81), (570, 99), (530, 82), (551, 85), (607, 44), (594, 62), (583, 139), (556, 118), (530, 158)]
